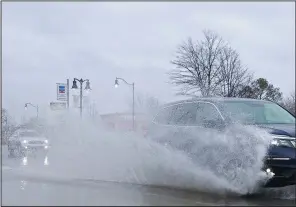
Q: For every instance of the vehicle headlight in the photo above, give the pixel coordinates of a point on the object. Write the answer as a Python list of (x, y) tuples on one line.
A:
[(284, 141), (25, 142), (46, 141)]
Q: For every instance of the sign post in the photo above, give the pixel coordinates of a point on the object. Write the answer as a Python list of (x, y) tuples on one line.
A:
[(62, 92)]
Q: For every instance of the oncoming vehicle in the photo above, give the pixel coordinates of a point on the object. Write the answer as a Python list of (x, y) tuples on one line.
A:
[(218, 114), (23, 142)]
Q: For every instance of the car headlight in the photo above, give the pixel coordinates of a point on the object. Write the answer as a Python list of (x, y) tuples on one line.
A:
[(24, 141), (46, 141), (283, 141)]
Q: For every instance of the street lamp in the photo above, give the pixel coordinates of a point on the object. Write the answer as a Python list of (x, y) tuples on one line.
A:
[(133, 86), (116, 83), (87, 87), (37, 108)]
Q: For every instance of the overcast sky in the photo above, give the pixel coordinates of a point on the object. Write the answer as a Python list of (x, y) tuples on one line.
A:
[(46, 43)]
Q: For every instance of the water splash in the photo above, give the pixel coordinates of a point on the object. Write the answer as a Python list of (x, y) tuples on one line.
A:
[(85, 150)]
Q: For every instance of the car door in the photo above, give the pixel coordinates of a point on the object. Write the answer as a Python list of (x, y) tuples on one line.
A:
[(182, 121), (210, 121), (168, 124)]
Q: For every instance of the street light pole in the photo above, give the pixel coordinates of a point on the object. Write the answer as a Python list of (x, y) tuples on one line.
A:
[(133, 86), (68, 94), (37, 108), (81, 96), (134, 106), (87, 87)]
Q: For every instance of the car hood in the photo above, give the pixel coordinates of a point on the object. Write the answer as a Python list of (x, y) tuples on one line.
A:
[(280, 129)]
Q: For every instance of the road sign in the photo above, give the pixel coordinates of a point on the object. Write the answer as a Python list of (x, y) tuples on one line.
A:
[(58, 106), (61, 91)]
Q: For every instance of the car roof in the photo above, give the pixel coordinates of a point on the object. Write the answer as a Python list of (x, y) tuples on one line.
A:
[(215, 100)]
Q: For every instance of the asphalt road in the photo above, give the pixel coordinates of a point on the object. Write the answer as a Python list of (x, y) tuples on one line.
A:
[(24, 185)]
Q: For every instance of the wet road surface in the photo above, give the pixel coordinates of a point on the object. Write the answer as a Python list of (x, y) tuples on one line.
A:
[(20, 187)]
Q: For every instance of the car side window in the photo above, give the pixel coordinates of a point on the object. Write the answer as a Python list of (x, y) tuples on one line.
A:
[(184, 114), (180, 114), (206, 112), (164, 116)]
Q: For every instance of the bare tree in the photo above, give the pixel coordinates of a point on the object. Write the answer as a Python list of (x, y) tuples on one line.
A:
[(289, 103), (7, 128), (233, 74), (209, 67), (4, 116), (197, 65)]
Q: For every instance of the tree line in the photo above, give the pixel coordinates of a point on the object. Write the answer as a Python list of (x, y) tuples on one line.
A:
[(211, 67)]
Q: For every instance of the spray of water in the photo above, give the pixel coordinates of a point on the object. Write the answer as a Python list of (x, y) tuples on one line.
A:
[(85, 150)]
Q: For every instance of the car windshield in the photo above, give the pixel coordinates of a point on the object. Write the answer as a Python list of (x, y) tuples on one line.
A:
[(257, 112), (29, 134)]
